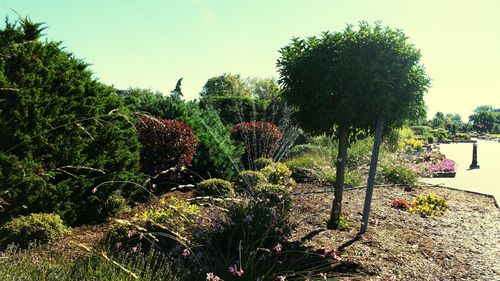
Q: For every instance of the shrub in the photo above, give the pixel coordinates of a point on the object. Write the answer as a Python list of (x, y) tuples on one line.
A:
[(31, 229), (248, 180), (310, 167), (351, 178), (399, 174), (214, 187), (261, 139), (428, 205), (277, 173), (254, 229), (262, 162), (400, 203), (342, 223), (114, 204), (173, 213), (216, 155), (62, 133), (359, 153), (165, 144)]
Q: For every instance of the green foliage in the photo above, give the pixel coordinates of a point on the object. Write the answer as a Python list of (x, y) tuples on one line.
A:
[(114, 204), (260, 163), (62, 133), (214, 187), (399, 173), (216, 155), (310, 167), (352, 78), (342, 223), (237, 109), (351, 178), (173, 213), (165, 144), (429, 205), (225, 85), (278, 173), (261, 139), (32, 229), (248, 180), (96, 266), (484, 119), (251, 234), (359, 153)]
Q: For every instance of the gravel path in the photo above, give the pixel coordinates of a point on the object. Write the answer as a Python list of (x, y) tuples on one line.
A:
[(461, 245)]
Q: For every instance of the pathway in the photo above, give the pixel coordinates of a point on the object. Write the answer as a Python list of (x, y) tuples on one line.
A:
[(484, 180)]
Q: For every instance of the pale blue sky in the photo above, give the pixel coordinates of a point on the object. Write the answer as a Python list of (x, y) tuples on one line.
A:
[(151, 44)]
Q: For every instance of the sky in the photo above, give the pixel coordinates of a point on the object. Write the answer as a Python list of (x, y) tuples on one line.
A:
[(151, 44)]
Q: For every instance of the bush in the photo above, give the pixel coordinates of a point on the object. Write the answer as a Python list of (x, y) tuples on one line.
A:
[(277, 173), (214, 187), (359, 153), (237, 109), (254, 229), (310, 167), (248, 180), (173, 213), (262, 162), (165, 144), (400, 204), (429, 205), (261, 139), (34, 228), (351, 178), (399, 174), (114, 204), (216, 155), (62, 133)]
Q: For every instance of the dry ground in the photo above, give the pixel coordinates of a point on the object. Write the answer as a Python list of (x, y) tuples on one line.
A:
[(464, 244)]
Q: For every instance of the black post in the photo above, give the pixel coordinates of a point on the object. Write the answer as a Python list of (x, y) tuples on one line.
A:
[(371, 176), (474, 164)]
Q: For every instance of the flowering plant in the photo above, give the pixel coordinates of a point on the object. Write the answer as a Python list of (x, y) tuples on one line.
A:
[(446, 165)]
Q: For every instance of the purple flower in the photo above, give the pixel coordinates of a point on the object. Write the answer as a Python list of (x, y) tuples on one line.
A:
[(278, 248), (248, 218)]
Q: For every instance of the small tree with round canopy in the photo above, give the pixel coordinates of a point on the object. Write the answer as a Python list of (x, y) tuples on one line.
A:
[(344, 83)]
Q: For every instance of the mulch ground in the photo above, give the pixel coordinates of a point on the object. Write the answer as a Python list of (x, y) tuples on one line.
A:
[(463, 244)]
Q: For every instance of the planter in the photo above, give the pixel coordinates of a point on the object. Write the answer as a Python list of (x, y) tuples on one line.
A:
[(444, 175)]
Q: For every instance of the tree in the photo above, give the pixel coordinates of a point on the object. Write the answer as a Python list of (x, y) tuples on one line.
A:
[(346, 82), (177, 92), (66, 140), (225, 85)]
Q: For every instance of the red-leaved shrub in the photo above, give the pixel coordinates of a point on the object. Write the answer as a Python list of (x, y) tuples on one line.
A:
[(165, 144), (400, 204), (261, 139)]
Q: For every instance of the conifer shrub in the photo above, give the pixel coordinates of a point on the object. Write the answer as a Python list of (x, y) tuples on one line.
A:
[(278, 173), (214, 187), (32, 229), (261, 140), (262, 162), (66, 140), (248, 180), (165, 144)]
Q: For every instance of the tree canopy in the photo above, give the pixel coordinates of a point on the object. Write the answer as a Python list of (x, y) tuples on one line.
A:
[(352, 78), (343, 82)]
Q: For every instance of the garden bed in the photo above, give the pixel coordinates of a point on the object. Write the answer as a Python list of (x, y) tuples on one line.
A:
[(460, 245)]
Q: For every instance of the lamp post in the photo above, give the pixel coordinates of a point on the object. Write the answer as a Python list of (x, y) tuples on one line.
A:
[(474, 164)]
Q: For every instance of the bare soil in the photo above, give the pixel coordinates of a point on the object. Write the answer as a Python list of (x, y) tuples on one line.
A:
[(463, 244)]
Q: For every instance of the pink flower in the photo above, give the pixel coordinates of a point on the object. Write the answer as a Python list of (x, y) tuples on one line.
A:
[(212, 277), (323, 275), (281, 278), (278, 248), (130, 234), (186, 253), (235, 271)]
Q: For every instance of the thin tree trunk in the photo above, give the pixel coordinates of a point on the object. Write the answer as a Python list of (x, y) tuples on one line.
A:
[(339, 180)]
